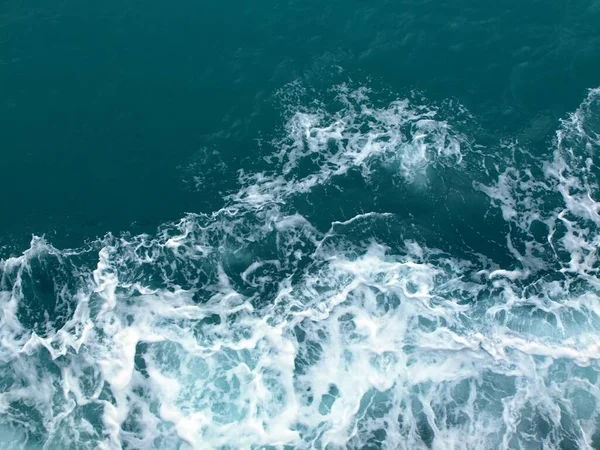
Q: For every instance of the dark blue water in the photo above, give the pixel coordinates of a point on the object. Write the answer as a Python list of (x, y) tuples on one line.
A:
[(299, 225), (102, 103)]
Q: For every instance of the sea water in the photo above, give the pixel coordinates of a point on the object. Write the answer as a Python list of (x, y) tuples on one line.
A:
[(383, 269)]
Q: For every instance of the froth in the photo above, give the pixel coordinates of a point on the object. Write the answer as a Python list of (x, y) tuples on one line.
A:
[(252, 327), (320, 144)]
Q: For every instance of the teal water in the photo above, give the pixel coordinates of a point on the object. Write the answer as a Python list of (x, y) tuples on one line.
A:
[(300, 225)]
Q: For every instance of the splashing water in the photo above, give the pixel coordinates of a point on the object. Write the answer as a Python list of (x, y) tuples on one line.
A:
[(307, 314)]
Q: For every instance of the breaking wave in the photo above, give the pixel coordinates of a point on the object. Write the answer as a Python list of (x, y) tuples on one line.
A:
[(385, 282)]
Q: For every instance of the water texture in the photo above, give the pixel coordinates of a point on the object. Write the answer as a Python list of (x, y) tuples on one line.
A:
[(389, 242)]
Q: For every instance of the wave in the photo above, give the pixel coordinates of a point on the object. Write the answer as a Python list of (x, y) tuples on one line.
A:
[(317, 309)]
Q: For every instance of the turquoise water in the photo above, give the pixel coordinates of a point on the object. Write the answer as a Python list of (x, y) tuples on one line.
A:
[(302, 225)]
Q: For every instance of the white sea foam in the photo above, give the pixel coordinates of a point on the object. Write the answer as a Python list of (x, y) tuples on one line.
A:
[(406, 138), (251, 328)]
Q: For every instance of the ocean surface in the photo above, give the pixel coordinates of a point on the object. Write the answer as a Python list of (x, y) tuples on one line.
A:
[(300, 225)]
